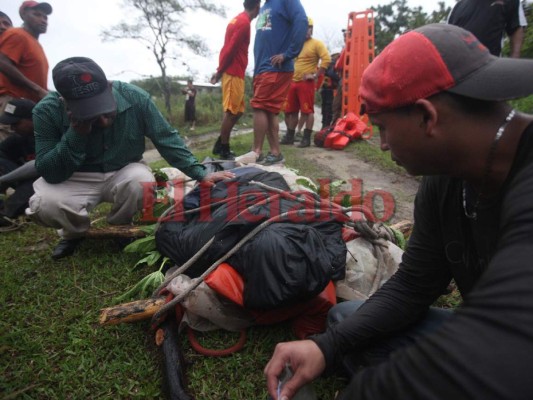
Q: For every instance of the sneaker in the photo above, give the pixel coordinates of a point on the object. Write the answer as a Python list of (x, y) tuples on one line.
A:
[(271, 159), (260, 159), (216, 147)]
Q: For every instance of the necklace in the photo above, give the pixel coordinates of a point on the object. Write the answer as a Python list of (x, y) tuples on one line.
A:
[(488, 167)]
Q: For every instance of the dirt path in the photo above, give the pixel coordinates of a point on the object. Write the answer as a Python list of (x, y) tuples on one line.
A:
[(343, 165)]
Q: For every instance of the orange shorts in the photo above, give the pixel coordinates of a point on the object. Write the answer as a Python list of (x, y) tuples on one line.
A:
[(301, 97), (270, 90), (232, 94)]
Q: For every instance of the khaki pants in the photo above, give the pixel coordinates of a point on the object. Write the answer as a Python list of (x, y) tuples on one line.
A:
[(66, 205)]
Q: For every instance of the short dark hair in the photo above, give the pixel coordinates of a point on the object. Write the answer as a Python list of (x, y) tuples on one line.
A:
[(250, 4), (2, 14)]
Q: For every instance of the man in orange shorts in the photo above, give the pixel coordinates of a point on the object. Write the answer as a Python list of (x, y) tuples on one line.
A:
[(232, 64), (313, 57), (280, 34)]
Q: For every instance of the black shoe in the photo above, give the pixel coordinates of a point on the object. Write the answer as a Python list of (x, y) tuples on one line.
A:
[(216, 147), (65, 248), (227, 155)]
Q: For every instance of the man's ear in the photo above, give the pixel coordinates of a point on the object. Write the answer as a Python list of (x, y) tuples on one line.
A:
[(429, 115)]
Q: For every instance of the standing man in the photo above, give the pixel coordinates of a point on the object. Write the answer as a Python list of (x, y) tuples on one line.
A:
[(473, 223), (89, 141), (328, 89), (190, 104), (232, 64), (309, 67), (23, 64), (280, 34), (490, 20)]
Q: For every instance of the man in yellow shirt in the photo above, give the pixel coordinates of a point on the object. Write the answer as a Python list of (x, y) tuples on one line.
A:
[(309, 66)]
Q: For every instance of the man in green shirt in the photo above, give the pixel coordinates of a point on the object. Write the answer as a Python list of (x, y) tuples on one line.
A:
[(89, 142)]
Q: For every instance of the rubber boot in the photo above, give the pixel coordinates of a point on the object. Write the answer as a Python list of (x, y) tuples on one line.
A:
[(288, 138), (306, 140)]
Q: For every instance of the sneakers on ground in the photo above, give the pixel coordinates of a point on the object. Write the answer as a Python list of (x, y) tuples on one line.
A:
[(271, 159), (260, 159)]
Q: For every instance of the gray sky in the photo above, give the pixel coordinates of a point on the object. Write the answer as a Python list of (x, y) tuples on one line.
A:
[(74, 30)]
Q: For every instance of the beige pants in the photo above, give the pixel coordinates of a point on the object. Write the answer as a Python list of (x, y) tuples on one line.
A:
[(66, 205)]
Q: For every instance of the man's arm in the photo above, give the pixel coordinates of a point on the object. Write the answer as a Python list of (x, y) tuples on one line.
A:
[(17, 78), (60, 150), (516, 39)]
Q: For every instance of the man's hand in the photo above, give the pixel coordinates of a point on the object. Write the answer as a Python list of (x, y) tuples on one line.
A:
[(215, 78), (210, 179), (306, 361), (277, 60), (82, 127)]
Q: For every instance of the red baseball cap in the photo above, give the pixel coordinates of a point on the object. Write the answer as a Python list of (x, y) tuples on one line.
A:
[(436, 58), (45, 7)]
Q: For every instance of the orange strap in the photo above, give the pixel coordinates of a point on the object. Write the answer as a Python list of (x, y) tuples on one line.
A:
[(215, 353)]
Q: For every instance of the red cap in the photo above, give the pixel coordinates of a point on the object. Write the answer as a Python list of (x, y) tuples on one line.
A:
[(436, 58), (45, 7)]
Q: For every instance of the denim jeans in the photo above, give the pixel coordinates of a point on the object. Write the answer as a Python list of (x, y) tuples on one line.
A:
[(380, 349)]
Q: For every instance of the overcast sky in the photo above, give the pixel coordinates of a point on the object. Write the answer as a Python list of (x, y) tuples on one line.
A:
[(74, 29)]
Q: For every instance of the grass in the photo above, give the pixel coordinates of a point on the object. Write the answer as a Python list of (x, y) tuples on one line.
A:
[(51, 346)]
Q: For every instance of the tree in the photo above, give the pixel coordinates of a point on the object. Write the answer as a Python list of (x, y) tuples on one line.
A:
[(395, 18), (159, 26)]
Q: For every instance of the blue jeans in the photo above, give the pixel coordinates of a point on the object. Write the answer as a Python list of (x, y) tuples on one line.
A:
[(380, 349)]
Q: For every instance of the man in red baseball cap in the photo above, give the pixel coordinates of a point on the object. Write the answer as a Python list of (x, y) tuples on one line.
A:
[(439, 100), (44, 7), (23, 63)]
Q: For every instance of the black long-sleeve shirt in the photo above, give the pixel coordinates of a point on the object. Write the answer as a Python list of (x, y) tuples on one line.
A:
[(485, 351)]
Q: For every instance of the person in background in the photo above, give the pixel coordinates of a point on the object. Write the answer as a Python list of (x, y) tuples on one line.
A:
[(232, 64), (23, 63), (90, 140), (309, 67), (473, 222), (280, 34), (190, 104), (5, 22), (17, 149), (338, 69), (489, 21)]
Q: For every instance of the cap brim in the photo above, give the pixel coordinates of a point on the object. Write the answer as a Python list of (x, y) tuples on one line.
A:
[(45, 7), (84, 109), (7, 119), (499, 80)]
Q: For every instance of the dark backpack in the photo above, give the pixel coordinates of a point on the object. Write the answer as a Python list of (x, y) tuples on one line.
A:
[(321, 136)]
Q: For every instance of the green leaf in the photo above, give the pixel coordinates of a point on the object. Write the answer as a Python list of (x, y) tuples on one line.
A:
[(143, 288), (142, 245), (151, 258), (308, 184)]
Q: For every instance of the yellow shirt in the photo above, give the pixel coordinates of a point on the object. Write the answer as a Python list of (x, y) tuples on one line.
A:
[(314, 54)]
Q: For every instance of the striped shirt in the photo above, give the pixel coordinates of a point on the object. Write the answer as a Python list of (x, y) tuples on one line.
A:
[(61, 151)]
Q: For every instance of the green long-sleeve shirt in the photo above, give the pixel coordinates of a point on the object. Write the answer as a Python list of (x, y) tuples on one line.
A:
[(61, 151)]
